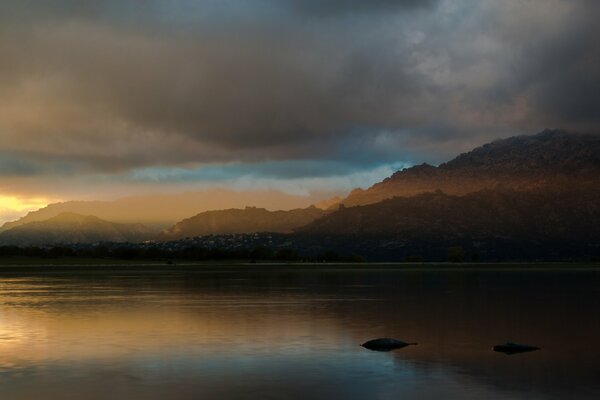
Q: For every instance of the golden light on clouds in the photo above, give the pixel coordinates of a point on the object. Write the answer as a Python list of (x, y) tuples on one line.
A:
[(13, 207), (22, 204)]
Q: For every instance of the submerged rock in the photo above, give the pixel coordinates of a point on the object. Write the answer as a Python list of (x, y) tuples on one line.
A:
[(514, 348), (385, 344)]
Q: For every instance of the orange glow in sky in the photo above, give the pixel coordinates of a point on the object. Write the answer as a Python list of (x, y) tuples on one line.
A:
[(11, 207), (22, 204)]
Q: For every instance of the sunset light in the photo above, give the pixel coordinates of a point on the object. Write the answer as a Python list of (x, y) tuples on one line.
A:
[(22, 204), (299, 199), (13, 207)]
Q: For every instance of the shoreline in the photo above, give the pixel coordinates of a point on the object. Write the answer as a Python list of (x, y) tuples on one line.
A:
[(161, 265)]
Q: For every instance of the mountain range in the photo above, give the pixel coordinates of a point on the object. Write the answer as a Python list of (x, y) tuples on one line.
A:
[(161, 211), (525, 196), (550, 158)]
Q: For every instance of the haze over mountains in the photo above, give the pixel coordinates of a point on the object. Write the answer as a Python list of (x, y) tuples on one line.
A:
[(527, 196), (248, 220), (164, 210), (71, 228)]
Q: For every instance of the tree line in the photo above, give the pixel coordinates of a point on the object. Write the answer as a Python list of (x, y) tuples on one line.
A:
[(189, 253)]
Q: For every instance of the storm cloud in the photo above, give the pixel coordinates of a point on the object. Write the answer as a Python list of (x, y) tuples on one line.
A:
[(113, 87)]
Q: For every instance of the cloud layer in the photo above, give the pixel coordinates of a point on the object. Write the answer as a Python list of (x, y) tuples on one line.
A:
[(114, 87)]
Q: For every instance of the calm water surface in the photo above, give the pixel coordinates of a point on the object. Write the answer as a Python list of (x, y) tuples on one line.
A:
[(294, 333)]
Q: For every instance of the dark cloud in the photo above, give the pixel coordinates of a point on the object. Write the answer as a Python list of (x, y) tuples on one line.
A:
[(114, 85), (331, 8), (562, 72)]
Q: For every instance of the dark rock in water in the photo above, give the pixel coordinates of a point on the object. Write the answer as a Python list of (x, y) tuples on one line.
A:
[(514, 348), (385, 344)]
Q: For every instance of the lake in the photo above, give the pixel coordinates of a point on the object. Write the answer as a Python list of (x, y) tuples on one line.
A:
[(294, 332)]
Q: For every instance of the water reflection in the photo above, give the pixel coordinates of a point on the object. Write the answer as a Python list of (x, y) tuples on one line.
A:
[(295, 333)]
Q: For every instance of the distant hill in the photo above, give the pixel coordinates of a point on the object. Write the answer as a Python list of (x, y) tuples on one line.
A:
[(247, 220), (550, 158), (164, 210), (69, 228), (494, 223)]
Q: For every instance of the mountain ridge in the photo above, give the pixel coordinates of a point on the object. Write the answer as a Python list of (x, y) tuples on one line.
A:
[(540, 191), (549, 158), (247, 220)]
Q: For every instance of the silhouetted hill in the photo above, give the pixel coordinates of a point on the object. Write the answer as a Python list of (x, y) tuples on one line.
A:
[(164, 210), (69, 228), (538, 222), (550, 158), (247, 220)]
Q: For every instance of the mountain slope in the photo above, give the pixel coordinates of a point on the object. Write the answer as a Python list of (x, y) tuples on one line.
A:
[(550, 158), (247, 220), (68, 228), (503, 222)]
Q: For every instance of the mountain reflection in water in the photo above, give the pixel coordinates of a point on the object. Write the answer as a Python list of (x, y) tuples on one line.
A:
[(293, 332)]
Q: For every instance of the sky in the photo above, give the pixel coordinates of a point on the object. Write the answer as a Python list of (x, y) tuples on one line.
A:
[(102, 99)]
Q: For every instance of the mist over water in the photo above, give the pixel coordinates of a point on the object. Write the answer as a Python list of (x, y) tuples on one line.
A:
[(294, 333)]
